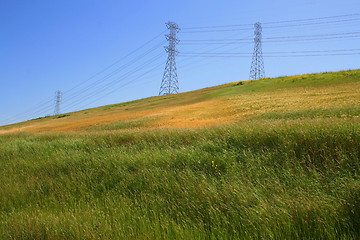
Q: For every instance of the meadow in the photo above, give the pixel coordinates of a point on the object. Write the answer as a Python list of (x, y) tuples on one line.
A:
[(279, 160)]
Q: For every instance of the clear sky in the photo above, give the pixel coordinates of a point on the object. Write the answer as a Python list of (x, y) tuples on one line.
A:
[(47, 46)]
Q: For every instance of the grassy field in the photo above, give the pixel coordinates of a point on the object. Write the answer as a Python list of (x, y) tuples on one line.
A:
[(306, 96), (269, 159)]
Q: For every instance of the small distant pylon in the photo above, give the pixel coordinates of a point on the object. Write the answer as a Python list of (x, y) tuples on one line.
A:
[(58, 97), (257, 65), (170, 84)]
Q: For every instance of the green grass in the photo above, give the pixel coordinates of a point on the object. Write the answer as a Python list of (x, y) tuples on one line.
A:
[(255, 180)]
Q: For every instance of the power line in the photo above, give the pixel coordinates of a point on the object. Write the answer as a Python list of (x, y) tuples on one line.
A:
[(46, 106), (312, 19), (125, 84), (315, 23), (196, 62), (222, 30), (275, 41), (269, 56), (118, 61), (276, 27), (24, 114), (112, 83), (269, 23), (114, 72), (237, 53), (282, 37)]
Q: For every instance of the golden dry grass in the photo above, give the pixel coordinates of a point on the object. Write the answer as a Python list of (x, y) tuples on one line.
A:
[(206, 107), (332, 97)]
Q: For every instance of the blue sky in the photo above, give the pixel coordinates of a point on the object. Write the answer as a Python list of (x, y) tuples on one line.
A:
[(59, 45)]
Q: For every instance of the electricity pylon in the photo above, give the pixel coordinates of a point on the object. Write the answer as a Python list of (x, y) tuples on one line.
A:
[(257, 65), (170, 84), (58, 96)]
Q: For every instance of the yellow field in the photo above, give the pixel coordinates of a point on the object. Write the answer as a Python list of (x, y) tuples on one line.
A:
[(212, 106)]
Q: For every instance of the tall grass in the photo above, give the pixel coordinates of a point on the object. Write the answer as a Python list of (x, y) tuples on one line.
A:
[(258, 180)]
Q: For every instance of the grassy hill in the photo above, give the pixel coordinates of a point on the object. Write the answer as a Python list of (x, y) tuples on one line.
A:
[(269, 159), (324, 95)]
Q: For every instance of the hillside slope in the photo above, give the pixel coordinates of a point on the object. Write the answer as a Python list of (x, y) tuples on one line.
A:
[(281, 161), (325, 95)]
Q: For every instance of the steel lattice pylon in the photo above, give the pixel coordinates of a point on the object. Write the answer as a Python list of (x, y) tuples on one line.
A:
[(58, 96), (257, 65), (170, 84)]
